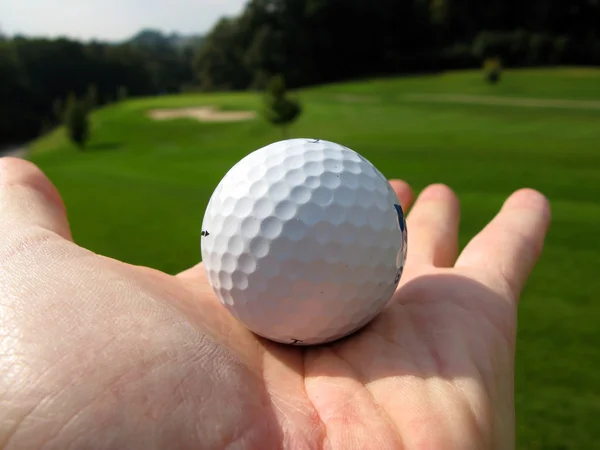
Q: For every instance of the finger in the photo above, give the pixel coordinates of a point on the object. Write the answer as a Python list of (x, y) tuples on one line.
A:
[(28, 198), (433, 228), (404, 192), (510, 245)]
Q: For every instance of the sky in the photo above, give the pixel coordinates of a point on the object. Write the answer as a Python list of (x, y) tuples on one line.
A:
[(111, 20)]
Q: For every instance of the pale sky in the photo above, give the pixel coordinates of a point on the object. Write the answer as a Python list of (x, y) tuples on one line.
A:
[(111, 20)]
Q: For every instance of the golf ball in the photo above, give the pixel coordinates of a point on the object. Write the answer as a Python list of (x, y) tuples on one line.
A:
[(304, 241)]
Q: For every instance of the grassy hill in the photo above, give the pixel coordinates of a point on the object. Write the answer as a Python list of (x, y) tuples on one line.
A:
[(139, 193)]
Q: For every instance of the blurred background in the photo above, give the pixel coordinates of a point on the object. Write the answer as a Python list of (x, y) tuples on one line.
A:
[(136, 109)]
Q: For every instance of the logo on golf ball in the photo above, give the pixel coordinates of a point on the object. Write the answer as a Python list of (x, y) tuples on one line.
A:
[(402, 224), (400, 217)]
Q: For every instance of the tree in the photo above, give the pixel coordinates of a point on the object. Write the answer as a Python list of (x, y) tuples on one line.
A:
[(219, 63), (280, 109), (76, 121)]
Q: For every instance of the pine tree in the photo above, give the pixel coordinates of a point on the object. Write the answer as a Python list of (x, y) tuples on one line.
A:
[(279, 108), (76, 121)]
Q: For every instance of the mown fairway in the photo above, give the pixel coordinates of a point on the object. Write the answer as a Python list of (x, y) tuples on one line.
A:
[(139, 193)]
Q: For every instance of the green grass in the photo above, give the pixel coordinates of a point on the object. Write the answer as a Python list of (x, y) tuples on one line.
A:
[(139, 195), (572, 83)]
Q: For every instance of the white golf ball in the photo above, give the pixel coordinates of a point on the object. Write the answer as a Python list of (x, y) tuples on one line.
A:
[(304, 241)]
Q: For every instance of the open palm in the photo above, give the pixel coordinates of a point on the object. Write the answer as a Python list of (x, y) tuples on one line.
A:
[(99, 354)]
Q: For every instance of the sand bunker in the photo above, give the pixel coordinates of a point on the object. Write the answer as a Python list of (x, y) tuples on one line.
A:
[(202, 114)]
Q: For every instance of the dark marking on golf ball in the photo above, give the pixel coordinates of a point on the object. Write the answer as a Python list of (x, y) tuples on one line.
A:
[(398, 275), (314, 141), (296, 341), (205, 233), (400, 217)]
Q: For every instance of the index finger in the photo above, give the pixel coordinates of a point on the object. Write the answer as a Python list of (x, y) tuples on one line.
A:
[(29, 201), (510, 245)]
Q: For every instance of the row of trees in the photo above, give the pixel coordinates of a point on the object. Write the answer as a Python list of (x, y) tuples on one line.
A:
[(38, 75), (305, 41), (316, 41)]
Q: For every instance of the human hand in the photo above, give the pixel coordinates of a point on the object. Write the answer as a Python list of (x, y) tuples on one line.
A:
[(99, 354)]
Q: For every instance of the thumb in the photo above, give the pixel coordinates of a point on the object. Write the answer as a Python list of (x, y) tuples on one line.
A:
[(29, 200)]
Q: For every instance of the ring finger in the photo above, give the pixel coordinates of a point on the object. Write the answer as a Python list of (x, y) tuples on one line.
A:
[(432, 227)]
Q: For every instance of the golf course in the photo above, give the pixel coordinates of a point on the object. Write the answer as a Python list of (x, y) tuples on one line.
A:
[(139, 189)]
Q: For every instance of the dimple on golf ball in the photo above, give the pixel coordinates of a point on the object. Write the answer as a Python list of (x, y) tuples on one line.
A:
[(304, 241)]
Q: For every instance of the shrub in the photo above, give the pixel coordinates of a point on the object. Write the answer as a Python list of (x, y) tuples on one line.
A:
[(280, 109), (76, 121), (492, 68)]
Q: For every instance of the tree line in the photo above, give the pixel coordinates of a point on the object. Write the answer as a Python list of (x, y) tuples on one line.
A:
[(38, 75), (305, 42), (318, 41)]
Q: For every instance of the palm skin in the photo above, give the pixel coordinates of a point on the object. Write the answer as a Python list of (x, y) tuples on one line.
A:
[(98, 354)]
